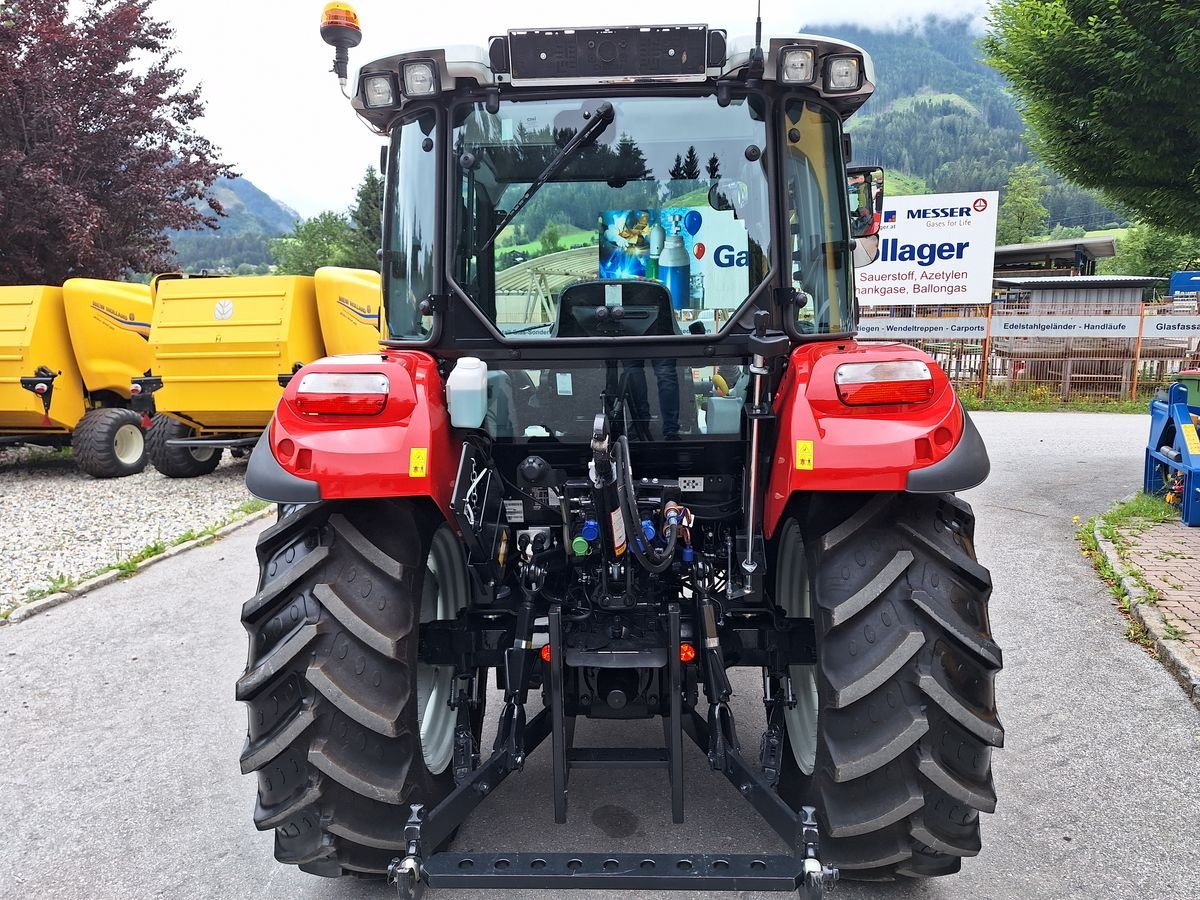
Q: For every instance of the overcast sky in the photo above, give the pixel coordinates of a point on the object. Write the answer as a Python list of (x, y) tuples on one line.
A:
[(274, 108)]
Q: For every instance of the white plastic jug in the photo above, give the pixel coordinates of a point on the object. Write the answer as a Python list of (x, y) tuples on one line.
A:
[(466, 393)]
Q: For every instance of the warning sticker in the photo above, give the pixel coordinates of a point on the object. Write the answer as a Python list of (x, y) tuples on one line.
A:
[(514, 511), (618, 530), (418, 458), (804, 455), (1190, 438)]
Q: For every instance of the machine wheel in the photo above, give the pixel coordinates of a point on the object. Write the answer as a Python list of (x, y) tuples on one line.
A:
[(178, 462), (109, 443), (346, 727), (896, 755)]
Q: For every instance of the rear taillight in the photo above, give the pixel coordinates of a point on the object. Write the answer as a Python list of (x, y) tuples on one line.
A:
[(884, 383), (342, 394)]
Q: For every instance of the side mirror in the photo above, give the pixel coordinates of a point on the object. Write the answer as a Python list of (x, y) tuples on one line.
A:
[(864, 188)]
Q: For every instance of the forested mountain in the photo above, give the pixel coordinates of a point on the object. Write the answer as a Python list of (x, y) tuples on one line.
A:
[(941, 114), (251, 219)]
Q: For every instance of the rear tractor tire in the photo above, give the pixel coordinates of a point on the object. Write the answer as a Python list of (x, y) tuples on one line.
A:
[(346, 727), (893, 729), (178, 462), (109, 443)]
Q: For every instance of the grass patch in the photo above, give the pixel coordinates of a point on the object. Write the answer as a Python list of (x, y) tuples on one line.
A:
[(1141, 512), (568, 236), (128, 566), (1174, 632), (1044, 400), (250, 507), (1136, 632), (57, 585), (1127, 518)]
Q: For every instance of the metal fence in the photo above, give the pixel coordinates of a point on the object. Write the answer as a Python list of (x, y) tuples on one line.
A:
[(1079, 351)]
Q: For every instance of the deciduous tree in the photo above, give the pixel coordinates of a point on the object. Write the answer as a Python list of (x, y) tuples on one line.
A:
[(320, 241), (99, 156), (1146, 250), (1108, 89), (1022, 215)]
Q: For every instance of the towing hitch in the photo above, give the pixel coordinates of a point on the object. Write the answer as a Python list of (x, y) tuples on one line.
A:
[(804, 872)]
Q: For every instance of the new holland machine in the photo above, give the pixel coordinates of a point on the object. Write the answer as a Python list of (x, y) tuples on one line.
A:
[(619, 455)]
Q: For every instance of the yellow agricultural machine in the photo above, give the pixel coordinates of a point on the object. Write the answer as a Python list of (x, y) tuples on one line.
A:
[(222, 350), (67, 356)]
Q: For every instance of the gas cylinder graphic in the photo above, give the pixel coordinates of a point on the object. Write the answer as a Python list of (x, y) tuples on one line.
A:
[(658, 236), (675, 271)]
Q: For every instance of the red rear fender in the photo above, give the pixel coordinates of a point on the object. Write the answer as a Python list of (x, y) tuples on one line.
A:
[(826, 445), (402, 451)]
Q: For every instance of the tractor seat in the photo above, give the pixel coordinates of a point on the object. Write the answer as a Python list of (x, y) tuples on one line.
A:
[(615, 308)]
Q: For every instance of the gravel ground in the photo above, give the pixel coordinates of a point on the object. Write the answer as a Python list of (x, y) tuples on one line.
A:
[(56, 522)]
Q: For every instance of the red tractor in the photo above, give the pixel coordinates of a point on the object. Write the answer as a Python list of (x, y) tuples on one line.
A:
[(620, 440)]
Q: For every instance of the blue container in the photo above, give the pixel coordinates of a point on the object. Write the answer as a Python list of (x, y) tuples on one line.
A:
[(1185, 283), (675, 271)]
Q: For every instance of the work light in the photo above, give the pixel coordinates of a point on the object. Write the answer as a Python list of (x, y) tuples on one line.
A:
[(420, 79), (798, 65), (843, 73), (379, 91)]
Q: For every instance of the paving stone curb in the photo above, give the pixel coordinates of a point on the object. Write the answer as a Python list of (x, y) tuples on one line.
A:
[(1180, 661), (29, 610)]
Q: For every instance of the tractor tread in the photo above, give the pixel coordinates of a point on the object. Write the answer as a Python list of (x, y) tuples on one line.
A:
[(978, 796), (980, 644), (906, 666), (872, 591), (371, 690), (874, 802), (257, 753), (271, 665), (874, 666), (332, 733), (280, 586), (875, 731)]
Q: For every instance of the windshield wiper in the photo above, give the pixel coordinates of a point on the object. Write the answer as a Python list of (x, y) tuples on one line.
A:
[(601, 119)]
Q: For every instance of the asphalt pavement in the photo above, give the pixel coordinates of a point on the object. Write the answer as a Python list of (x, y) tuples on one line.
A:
[(119, 735)]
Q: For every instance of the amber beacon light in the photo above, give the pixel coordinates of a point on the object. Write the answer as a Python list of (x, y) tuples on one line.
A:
[(340, 29)]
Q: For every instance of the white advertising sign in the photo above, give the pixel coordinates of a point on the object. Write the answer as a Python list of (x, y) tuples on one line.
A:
[(933, 248), (1171, 326), (912, 329), (1066, 326)]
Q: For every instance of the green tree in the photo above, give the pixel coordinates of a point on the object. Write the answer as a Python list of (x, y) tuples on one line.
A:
[(1108, 91), (550, 239), (320, 241), (691, 165), (366, 223), (1147, 250), (1067, 232), (713, 167), (1022, 215), (631, 161)]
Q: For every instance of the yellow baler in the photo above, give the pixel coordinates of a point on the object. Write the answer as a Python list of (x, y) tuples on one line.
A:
[(66, 359), (41, 390), (350, 307), (221, 350)]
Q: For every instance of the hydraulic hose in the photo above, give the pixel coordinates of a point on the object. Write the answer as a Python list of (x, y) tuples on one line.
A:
[(649, 559)]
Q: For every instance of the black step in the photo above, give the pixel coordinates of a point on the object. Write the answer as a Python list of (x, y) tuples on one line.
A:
[(601, 871), (617, 757)]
